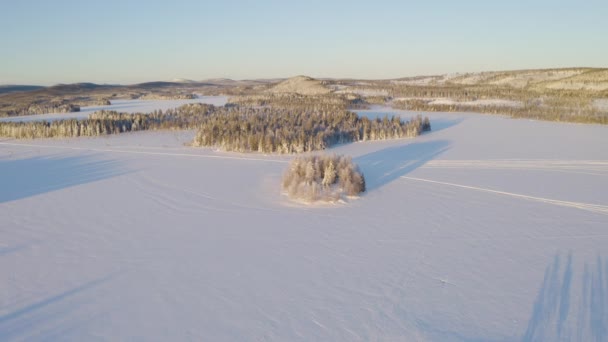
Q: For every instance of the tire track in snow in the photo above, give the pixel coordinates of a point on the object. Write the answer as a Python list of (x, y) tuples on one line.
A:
[(94, 149), (591, 167), (595, 208)]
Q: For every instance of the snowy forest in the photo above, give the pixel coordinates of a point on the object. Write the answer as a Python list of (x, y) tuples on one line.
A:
[(234, 128), (568, 110), (271, 130)]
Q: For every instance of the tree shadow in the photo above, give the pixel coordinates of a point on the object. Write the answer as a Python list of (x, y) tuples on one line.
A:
[(552, 303), (37, 316), (552, 319), (385, 166), (15, 249), (562, 310), (22, 178)]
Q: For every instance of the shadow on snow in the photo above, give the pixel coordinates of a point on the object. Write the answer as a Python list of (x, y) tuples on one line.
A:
[(45, 318), (23, 178), (566, 308), (385, 166), (556, 315)]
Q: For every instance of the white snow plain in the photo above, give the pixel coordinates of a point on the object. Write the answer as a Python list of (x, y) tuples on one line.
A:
[(485, 229)]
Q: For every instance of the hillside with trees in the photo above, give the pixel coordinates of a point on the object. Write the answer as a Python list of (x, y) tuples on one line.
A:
[(302, 85)]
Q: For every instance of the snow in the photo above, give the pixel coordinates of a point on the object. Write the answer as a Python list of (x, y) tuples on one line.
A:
[(364, 92), (480, 103), (601, 104), (123, 106), (487, 228)]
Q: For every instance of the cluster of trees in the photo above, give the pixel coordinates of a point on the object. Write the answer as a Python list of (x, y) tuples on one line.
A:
[(294, 101), (108, 122), (243, 129), (572, 105), (581, 111), (326, 178), (33, 109), (73, 127), (270, 130), (458, 92), (104, 101), (465, 92)]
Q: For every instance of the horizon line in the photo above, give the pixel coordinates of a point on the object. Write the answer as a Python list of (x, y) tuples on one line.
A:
[(187, 80)]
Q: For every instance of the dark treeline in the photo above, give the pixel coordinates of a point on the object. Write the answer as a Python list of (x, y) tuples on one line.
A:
[(234, 128), (462, 92), (108, 122), (570, 105), (34, 109), (554, 110), (295, 101), (325, 178), (271, 130)]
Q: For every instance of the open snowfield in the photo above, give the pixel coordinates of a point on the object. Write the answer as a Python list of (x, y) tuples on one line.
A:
[(485, 229)]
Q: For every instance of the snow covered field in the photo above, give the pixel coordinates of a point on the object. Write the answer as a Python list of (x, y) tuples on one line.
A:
[(486, 229)]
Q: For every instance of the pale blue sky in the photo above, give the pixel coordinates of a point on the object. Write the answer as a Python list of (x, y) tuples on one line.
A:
[(62, 41)]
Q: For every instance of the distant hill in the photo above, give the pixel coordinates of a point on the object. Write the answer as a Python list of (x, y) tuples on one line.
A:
[(12, 88), (76, 87), (221, 81), (302, 85), (157, 84), (563, 78), (182, 80)]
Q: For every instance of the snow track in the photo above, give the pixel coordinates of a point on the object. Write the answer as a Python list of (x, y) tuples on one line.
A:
[(595, 208), (590, 167)]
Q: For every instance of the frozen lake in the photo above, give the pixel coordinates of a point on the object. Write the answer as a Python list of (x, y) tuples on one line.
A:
[(485, 229), (128, 106)]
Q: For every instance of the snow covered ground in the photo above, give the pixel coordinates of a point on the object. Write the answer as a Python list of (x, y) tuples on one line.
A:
[(601, 104), (486, 229), (479, 103), (364, 92), (123, 106)]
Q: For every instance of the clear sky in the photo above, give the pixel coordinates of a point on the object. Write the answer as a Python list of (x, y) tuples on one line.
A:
[(62, 41)]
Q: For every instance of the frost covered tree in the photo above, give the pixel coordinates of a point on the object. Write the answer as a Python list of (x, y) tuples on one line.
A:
[(323, 178), (330, 174)]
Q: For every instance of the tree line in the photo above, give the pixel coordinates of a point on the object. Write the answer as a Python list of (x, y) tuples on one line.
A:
[(34, 109), (235, 128), (580, 111), (108, 122), (294, 101), (273, 130)]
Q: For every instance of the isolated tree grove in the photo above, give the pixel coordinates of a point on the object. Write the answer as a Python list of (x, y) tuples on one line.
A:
[(322, 178)]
